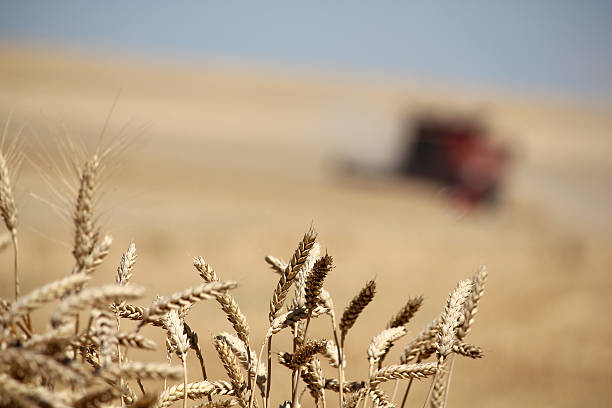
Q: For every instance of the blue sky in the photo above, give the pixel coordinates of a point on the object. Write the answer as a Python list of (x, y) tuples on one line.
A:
[(559, 48)]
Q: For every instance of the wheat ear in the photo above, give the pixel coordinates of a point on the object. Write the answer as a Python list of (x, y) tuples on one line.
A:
[(177, 334), (42, 295), (230, 363), (382, 343), (186, 297), (280, 293), (26, 395), (85, 234), (449, 321), (290, 273), (355, 307), (471, 303), (406, 313), (195, 390), (314, 281), (399, 371), (229, 306), (100, 296)]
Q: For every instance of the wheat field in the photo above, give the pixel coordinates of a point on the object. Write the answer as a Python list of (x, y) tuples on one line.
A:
[(234, 166)]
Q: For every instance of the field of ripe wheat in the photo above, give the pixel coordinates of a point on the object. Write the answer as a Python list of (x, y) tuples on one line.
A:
[(212, 169)]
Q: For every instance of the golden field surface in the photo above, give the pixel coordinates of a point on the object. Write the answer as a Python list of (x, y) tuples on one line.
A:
[(234, 164)]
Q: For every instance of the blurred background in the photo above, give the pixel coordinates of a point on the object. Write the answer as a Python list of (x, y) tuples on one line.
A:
[(420, 139)]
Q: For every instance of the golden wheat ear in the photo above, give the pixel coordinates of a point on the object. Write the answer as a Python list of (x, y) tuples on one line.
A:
[(7, 202), (289, 274), (355, 307)]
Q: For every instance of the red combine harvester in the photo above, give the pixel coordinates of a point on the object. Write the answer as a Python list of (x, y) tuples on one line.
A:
[(458, 154)]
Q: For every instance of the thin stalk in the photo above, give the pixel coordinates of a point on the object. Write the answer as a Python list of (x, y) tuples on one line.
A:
[(296, 372), (15, 263), (395, 388), (183, 357), (249, 380), (339, 347), (448, 378), (259, 359), (119, 361), (142, 387), (269, 379), (433, 383), (418, 360)]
